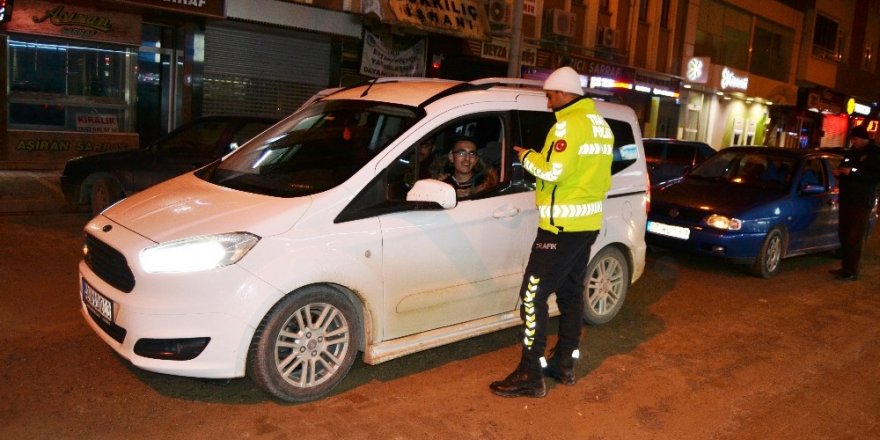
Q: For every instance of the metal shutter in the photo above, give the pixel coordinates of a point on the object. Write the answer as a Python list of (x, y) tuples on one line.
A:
[(259, 70)]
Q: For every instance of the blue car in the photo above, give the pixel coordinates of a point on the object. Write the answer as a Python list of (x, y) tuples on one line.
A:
[(751, 205)]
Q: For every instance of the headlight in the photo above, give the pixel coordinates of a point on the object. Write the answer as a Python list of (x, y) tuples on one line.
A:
[(197, 253), (723, 222)]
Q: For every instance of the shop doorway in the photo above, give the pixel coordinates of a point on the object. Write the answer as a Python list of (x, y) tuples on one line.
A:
[(159, 91)]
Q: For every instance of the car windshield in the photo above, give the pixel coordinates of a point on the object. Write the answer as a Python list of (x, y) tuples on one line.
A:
[(314, 150), (749, 168)]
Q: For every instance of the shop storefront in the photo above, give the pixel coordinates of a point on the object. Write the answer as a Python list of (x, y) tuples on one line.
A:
[(71, 82), (724, 107)]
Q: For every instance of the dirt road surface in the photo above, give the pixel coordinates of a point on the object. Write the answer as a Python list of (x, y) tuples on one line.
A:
[(702, 350)]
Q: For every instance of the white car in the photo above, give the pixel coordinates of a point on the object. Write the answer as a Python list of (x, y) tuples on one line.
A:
[(323, 237)]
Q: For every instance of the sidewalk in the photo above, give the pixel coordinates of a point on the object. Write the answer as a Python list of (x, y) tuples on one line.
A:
[(31, 191)]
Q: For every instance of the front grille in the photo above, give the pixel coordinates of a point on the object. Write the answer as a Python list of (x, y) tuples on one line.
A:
[(109, 264), (692, 216)]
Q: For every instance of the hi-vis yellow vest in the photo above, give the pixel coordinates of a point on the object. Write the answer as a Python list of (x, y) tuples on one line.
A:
[(573, 170)]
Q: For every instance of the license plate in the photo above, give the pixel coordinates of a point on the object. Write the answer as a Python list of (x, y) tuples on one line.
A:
[(97, 302), (669, 230)]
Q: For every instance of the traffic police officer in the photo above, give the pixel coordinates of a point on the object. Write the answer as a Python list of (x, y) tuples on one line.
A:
[(573, 175), (859, 174)]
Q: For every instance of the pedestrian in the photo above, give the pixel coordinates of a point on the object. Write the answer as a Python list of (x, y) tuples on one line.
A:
[(573, 175), (859, 174)]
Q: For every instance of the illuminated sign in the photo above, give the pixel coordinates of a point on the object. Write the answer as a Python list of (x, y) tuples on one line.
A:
[(729, 80), (697, 70), (854, 107), (608, 83)]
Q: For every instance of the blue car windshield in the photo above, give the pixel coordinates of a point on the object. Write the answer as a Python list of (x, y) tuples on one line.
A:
[(314, 150), (748, 168)]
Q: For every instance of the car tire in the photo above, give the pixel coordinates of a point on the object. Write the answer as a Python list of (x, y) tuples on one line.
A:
[(103, 193), (606, 285), (769, 257), (305, 345)]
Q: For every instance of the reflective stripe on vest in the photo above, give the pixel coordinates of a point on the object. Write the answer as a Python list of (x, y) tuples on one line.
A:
[(569, 211)]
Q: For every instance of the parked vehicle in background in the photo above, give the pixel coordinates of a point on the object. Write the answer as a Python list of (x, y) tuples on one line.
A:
[(324, 236), (97, 181), (752, 205), (671, 158)]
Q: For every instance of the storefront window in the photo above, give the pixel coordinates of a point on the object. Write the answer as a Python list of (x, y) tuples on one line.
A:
[(57, 84)]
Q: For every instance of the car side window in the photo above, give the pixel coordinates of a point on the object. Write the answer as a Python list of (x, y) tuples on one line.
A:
[(533, 128), (429, 158), (680, 154), (653, 152), (813, 174), (199, 140)]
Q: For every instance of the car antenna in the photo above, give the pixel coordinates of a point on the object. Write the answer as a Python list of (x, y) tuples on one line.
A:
[(369, 86)]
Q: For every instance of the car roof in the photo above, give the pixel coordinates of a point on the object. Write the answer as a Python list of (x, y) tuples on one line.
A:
[(420, 92), (779, 151)]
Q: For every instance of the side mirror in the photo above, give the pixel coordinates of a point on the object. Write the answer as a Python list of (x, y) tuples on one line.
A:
[(433, 191)]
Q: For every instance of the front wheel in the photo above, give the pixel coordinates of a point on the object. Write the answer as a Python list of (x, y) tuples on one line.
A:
[(606, 286), (305, 345), (770, 255)]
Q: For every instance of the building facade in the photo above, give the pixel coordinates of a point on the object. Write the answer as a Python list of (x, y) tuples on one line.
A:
[(87, 76)]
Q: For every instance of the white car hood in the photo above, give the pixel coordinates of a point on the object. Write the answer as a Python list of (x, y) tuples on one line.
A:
[(187, 206)]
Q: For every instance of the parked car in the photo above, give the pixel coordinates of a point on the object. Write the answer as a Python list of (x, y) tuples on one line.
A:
[(319, 239), (753, 205), (97, 181), (671, 158)]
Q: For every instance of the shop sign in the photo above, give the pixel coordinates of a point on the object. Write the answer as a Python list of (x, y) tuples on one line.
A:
[(97, 123), (729, 80), (530, 7), (73, 21), (210, 8), (463, 18), (597, 68), (499, 50), (697, 70), (854, 107), (56, 147), (378, 60)]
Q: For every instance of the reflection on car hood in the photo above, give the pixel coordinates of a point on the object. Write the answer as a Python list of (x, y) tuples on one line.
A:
[(717, 196), (187, 206)]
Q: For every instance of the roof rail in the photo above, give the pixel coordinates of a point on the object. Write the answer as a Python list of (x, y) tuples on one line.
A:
[(508, 82)]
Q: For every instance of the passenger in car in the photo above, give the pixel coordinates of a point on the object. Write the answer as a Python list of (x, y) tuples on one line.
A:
[(469, 175), (422, 160)]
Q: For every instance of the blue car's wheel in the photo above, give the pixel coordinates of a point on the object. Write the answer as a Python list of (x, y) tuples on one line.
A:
[(770, 256)]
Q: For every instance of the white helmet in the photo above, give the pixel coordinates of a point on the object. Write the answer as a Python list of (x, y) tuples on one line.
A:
[(564, 79)]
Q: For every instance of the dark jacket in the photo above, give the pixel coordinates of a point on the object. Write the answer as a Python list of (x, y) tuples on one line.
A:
[(859, 187)]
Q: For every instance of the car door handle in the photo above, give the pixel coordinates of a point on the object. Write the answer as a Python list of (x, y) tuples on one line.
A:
[(505, 212)]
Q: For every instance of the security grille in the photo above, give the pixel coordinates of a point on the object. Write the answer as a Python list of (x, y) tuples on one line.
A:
[(262, 71)]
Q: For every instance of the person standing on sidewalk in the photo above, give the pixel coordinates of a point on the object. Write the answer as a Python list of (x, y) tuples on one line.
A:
[(573, 175), (859, 174)]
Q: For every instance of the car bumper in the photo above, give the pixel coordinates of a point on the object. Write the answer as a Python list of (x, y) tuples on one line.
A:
[(209, 319), (739, 247)]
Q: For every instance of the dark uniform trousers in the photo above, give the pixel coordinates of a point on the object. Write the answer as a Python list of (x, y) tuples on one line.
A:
[(557, 263), (852, 229)]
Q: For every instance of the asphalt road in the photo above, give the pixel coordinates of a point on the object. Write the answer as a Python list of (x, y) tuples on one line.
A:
[(701, 350)]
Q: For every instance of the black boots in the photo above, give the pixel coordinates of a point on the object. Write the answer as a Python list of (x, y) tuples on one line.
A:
[(525, 381), (561, 368)]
